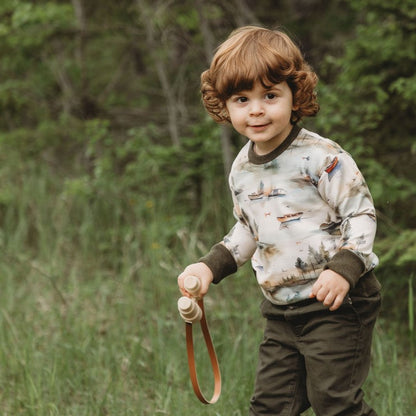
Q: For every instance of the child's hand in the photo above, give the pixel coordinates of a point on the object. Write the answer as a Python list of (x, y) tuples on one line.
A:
[(330, 289), (202, 272)]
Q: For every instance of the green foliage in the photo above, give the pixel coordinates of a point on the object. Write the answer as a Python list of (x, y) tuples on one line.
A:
[(86, 102), (370, 108), (101, 205), (27, 32)]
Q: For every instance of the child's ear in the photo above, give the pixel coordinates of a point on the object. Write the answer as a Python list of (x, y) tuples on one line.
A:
[(294, 117), (224, 113)]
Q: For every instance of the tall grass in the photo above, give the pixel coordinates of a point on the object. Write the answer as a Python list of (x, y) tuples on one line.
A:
[(88, 319)]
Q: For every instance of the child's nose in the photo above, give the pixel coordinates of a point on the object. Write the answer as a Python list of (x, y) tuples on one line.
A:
[(256, 108)]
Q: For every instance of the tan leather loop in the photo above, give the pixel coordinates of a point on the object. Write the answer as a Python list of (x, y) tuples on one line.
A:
[(212, 355)]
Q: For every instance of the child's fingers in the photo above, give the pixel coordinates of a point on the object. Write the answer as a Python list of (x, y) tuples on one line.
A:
[(337, 303), (320, 291), (202, 272), (315, 289), (329, 299), (182, 289)]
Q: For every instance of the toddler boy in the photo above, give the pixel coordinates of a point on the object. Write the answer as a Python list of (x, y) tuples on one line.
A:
[(306, 220)]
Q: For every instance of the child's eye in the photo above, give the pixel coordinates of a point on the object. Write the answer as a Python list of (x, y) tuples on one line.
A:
[(241, 99), (270, 96)]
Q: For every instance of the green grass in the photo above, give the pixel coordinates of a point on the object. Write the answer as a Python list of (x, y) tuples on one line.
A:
[(89, 325), (111, 345)]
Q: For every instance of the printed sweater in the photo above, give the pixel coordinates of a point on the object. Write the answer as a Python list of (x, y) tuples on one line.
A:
[(300, 209)]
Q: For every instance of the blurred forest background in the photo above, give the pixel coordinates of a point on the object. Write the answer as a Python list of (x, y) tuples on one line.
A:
[(110, 170)]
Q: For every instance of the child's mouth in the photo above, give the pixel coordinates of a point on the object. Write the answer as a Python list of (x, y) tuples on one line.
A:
[(259, 126)]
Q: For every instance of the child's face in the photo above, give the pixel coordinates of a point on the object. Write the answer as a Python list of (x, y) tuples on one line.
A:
[(263, 115)]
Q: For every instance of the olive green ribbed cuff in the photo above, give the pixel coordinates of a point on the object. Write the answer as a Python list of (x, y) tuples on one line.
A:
[(220, 261), (348, 265)]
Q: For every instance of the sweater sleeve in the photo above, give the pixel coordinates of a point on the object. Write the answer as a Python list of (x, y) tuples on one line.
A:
[(220, 261), (343, 187), (236, 248)]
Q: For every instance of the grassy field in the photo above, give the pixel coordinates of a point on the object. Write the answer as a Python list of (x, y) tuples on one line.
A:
[(109, 345), (89, 325)]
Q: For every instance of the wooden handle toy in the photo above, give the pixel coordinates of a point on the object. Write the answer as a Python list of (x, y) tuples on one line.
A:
[(192, 311)]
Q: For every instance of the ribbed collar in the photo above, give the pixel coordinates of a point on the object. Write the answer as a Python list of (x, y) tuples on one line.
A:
[(261, 159)]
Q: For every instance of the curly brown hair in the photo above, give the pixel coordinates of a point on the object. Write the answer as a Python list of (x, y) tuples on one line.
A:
[(253, 54)]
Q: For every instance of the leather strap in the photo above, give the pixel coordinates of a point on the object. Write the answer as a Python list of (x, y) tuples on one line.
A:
[(212, 355)]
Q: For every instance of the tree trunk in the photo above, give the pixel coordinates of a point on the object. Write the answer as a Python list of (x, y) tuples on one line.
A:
[(161, 70), (209, 45)]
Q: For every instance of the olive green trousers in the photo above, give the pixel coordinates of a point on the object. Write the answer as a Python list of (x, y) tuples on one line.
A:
[(312, 357)]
